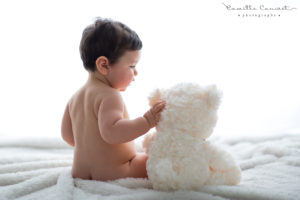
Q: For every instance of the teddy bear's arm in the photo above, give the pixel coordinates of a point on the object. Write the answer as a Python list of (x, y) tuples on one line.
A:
[(148, 140)]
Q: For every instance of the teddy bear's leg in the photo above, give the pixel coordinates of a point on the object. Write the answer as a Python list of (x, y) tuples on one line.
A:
[(223, 169)]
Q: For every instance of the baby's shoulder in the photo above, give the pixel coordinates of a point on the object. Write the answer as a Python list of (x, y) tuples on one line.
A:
[(112, 96), (103, 96)]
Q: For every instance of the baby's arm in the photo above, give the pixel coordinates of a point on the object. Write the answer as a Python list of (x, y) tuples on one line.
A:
[(66, 128), (115, 129)]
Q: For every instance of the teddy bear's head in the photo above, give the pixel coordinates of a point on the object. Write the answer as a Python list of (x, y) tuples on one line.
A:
[(190, 109)]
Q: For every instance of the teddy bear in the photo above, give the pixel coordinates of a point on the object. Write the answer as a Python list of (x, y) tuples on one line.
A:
[(179, 154)]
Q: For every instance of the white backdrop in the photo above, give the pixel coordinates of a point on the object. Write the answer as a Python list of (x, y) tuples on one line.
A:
[(254, 60)]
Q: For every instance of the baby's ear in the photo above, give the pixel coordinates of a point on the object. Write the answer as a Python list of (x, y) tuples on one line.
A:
[(102, 65), (155, 96)]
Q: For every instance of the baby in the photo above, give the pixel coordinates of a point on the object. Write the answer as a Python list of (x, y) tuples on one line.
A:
[(95, 120)]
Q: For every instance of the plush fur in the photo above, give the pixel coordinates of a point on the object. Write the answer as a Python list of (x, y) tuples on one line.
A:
[(180, 157)]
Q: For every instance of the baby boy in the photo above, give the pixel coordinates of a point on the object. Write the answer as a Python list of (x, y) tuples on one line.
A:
[(95, 120)]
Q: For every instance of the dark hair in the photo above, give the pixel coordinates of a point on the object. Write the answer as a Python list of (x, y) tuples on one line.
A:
[(107, 38)]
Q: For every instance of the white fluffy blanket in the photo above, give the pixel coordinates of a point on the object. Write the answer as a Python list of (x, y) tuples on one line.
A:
[(39, 168)]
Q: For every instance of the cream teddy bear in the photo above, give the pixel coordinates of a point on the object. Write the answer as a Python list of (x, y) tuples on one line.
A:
[(180, 157)]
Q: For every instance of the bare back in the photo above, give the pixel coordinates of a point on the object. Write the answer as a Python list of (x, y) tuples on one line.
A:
[(93, 157)]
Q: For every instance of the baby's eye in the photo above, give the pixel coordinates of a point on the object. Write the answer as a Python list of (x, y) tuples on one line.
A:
[(132, 67)]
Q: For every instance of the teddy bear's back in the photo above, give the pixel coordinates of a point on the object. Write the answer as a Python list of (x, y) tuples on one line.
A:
[(176, 142)]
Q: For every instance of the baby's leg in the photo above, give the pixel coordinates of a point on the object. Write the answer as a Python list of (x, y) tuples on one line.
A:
[(138, 166)]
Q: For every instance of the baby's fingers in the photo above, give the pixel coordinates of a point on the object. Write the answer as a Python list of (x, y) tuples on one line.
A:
[(158, 107)]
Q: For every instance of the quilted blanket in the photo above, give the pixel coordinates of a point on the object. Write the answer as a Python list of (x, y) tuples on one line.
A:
[(39, 168)]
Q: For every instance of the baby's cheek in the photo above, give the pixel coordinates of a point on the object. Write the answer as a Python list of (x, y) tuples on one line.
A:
[(129, 78), (125, 80)]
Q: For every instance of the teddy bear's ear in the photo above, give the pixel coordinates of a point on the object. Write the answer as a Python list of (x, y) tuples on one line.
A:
[(214, 96), (155, 96)]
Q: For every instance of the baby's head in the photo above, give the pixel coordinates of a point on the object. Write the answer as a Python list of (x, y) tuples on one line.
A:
[(107, 38)]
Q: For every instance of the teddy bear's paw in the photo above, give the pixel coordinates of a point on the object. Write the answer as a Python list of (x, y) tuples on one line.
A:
[(230, 176), (155, 96), (148, 139), (234, 176)]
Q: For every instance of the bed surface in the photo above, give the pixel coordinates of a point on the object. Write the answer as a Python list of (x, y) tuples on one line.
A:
[(39, 168)]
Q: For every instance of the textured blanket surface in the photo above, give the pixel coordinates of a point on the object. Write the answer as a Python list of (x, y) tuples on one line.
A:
[(39, 168)]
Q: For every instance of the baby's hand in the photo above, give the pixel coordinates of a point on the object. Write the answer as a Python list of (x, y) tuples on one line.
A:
[(153, 115)]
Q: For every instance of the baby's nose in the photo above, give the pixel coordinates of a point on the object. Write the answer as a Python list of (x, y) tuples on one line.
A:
[(135, 72)]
